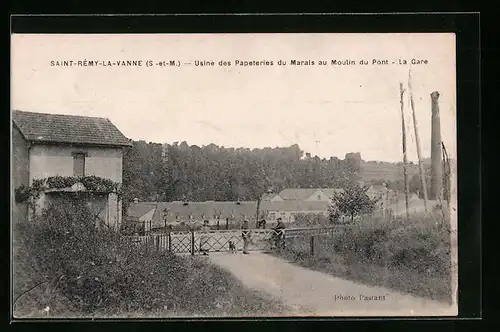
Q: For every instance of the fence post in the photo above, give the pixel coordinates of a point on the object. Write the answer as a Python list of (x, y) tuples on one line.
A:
[(192, 243), (312, 245), (169, 242)]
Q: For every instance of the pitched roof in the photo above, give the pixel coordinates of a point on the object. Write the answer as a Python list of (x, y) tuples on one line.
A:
[(137, 210), (330, 192), (299, 194), (57, 128), (268, 196), (289, 205), (206, 209)]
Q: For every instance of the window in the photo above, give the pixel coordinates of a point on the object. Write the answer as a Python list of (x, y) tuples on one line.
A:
[(79, 164), (319, 197)]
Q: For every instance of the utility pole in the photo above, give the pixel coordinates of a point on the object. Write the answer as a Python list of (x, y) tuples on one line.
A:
[(417, 139), (446, 174), (436, 151), (405, 158)]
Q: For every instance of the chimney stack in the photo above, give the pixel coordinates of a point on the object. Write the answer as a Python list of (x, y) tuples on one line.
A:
[(436, 156)]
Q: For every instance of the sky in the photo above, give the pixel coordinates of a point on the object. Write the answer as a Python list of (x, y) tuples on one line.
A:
[(327, 110)]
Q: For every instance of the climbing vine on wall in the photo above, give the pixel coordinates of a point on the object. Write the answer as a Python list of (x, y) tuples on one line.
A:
[(91, 183)]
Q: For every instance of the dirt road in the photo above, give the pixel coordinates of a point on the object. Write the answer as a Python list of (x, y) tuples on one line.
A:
[(314, 293)]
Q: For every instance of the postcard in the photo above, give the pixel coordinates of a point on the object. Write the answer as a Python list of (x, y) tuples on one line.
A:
[(234, 175)]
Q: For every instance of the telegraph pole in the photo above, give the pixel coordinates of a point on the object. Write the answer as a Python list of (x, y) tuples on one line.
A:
[(436, 150), (405, 158), (417, 139)]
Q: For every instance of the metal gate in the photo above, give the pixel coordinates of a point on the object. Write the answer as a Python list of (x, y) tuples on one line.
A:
[(218, 240)]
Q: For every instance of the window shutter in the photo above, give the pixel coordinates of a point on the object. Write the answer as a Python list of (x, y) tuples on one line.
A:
[(79, 164)]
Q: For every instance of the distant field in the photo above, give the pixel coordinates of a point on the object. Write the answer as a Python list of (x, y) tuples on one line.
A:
[(385, 171)]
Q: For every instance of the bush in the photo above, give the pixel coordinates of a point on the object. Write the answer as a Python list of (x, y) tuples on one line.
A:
[(67, 262), (351, 202), (132, 228), (416, 251), (22, 194), (93, 266), (419, 244)]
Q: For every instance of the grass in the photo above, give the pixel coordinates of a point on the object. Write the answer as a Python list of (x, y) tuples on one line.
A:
[(225, 297), (401, 280), (76, 270), (410, 257), (209, 292), (194, 288)]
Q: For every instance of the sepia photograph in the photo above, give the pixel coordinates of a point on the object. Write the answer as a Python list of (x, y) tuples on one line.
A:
[(233, 175)]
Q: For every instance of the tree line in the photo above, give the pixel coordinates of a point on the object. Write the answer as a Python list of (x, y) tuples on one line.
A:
[(170, 172)]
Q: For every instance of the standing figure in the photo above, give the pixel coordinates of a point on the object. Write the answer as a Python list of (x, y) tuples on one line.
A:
[(245, 234), (279, 234), (263, 223), (204, 238)]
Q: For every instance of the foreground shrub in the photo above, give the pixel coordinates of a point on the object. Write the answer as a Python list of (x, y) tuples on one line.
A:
[(412, 255), (423, 243), (67, 262)]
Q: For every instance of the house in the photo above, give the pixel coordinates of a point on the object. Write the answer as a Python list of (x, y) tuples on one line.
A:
[(300, 201), (142, 213), (309, 194), (163, 214), (171, 213), (376, 191), (288, 209), (70, 148), (271, 197), (382, 193), (300, 194), (330, 192)]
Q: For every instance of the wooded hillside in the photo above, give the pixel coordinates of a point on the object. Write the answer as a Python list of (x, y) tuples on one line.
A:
[(156, 172)]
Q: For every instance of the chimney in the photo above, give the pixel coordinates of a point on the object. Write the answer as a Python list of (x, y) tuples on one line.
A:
[(436, 157)]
